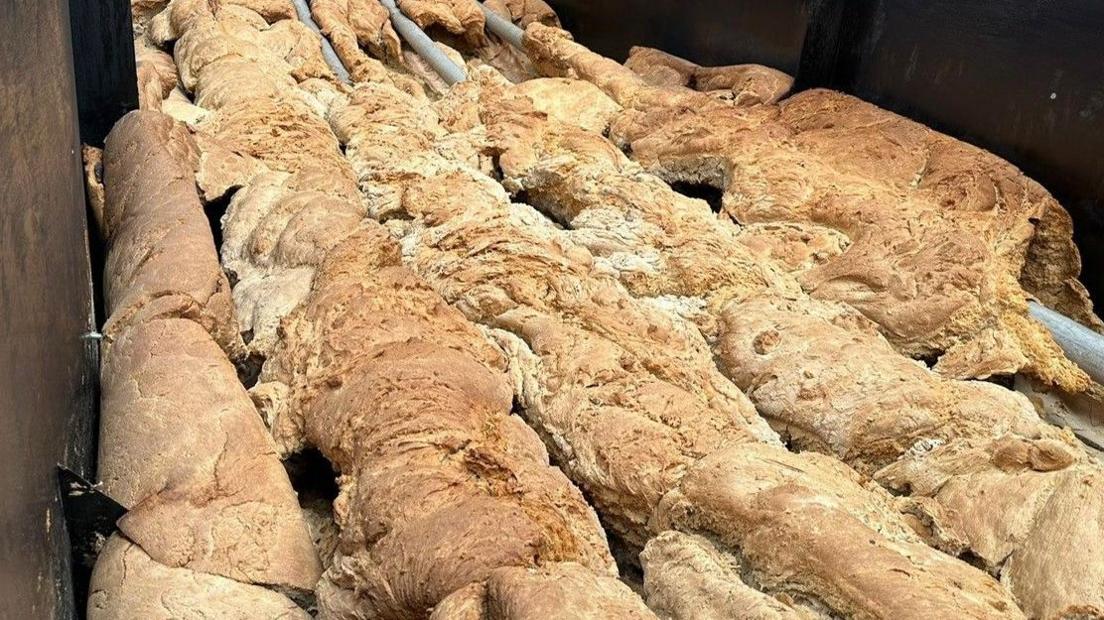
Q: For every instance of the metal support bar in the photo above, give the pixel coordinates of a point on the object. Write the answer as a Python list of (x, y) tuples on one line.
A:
[(302, 8), (424, 46), (1081, 345), (503, 27)]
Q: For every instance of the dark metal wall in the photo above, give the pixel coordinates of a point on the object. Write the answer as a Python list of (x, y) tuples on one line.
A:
[(103, 55), (1022, 78), (711, 32), (47, 371)]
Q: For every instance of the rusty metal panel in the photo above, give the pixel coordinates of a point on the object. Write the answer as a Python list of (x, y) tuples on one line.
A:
[(47, 371)]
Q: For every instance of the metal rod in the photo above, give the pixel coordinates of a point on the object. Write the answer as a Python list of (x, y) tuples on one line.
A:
[(302, 8), (1081, 345), (503, 27), (424, 46)]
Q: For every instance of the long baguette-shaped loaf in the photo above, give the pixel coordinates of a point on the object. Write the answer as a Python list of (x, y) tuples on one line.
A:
[(161, 258), (181, 444), (444, 494)]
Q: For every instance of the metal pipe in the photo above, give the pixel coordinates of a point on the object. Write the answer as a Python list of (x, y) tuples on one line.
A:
[(424, 46), (503, 27), (1081, 345), (302, 8)]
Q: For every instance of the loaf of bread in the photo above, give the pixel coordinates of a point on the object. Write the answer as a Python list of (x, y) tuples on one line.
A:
[(181, 444), (443, 492), (127, 584), (743, 85), (938, 252), (629, 400), (161, 259)]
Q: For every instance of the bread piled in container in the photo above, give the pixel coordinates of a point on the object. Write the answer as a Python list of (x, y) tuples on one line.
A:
[(524, 349)]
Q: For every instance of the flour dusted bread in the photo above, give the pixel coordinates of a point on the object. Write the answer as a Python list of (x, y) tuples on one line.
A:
[(161, 257), (186, 452)]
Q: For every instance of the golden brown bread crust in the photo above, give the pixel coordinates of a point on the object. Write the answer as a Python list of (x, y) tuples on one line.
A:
[(802, 361), (560, 339), (687, 576), (525, 12), (440, 485), (161, 259), (205, 491), (571, 101), (743, 85), (996, 472), (940, 281), (954, 174), (128, 585), (819, 372), (92, 159), (563, 591), (476, 494), (1049, 502), (352, 24), (458, 17), (627, 397), (249, 80), (156, 75)]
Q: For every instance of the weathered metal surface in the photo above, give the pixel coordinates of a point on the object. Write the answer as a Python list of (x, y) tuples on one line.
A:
[(47, 371)]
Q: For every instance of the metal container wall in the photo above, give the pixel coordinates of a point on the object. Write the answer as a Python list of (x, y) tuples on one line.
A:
[(47, 370), (711, 32)]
